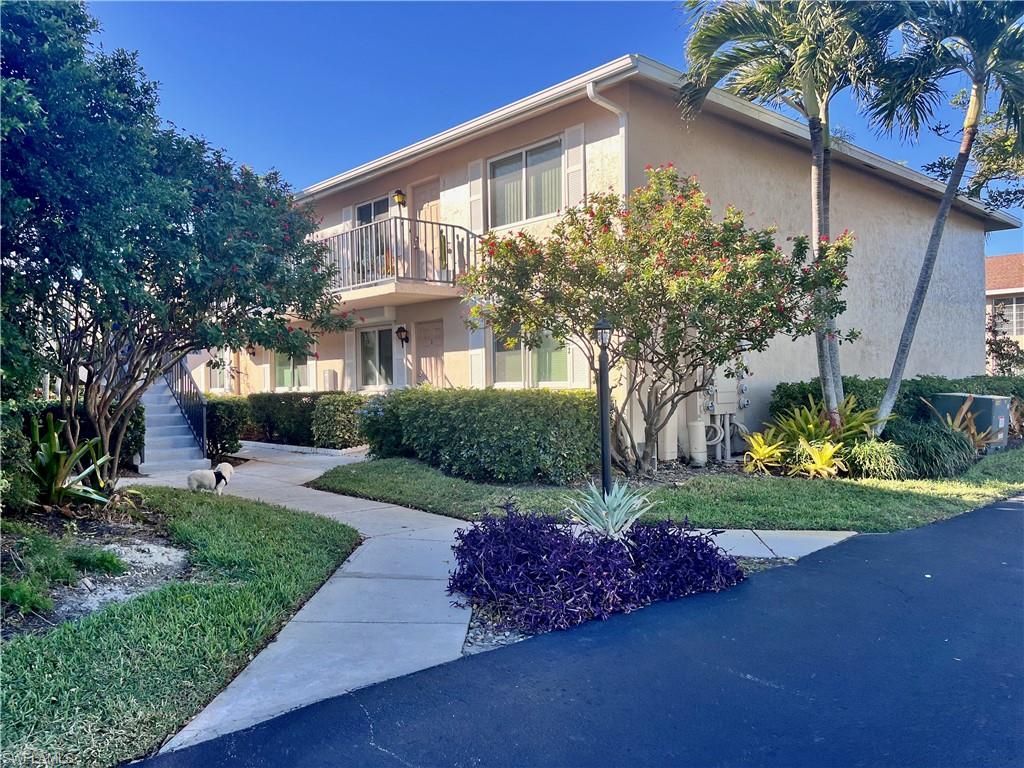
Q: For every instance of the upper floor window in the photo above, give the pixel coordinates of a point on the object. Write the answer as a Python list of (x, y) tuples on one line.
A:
[(1011, 309), (526, 184), (374, 210)]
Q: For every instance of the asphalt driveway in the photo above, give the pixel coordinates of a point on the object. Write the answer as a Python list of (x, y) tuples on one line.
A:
[(903, 649)]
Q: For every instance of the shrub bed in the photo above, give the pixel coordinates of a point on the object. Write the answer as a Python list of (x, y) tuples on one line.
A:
[(868, 392), (335, 420), (933, 450), (227, 419), (488, 435), (535, 574), (284, 417)]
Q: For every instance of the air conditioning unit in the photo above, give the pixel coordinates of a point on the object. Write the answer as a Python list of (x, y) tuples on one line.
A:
[(330, 380), (990, 412)]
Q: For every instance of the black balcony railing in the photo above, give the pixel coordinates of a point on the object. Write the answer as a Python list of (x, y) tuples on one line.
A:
[(401, 249)]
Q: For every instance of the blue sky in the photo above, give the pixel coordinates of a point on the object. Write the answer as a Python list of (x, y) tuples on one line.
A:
[(313, 89)]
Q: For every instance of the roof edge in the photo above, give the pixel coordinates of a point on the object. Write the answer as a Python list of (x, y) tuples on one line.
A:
[(632, 65)]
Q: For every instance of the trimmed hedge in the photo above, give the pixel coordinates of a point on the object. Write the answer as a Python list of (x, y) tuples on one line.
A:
[(489, 435), (908, 404), (284, 417), (381, 426), (227, 419), (336, 422)]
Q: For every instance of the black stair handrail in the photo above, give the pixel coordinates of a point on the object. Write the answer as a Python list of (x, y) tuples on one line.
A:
[(190, 399)]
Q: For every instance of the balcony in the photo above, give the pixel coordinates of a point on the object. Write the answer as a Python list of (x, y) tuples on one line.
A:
[(400, 261)]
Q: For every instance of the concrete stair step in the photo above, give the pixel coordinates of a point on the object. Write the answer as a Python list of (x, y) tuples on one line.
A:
[(158, 467), (165, 419), (167, 434), (169, 442), (161, 455), (162, 410)]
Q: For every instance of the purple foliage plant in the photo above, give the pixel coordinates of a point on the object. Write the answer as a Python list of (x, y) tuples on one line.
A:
[(535, 573)]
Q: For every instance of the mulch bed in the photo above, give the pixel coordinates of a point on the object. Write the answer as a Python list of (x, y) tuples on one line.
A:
[(137, 536)]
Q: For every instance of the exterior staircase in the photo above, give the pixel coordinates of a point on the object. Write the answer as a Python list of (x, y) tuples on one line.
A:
[(170, 444)]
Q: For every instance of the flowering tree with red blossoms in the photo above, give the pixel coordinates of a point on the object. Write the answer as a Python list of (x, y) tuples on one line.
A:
[(686, 294)]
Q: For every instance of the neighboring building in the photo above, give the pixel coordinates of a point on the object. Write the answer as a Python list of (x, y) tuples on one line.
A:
[(1004, 292), (516, 167)]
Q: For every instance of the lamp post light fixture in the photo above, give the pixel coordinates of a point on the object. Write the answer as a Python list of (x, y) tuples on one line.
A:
[(603, 332), (399, 197), (402, 334)]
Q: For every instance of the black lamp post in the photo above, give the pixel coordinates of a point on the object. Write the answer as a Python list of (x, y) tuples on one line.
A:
[(603, 331)]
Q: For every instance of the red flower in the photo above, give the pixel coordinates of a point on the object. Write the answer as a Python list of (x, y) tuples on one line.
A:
[(716, 244), (648, 167)]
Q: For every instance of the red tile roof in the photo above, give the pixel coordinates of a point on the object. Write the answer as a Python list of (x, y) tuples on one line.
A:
[(1004, 272)]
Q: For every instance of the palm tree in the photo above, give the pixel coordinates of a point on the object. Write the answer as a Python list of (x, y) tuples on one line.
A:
[(801, 54), (981, 41)]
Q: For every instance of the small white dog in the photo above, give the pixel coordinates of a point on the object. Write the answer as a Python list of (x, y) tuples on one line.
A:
[(215, 479)]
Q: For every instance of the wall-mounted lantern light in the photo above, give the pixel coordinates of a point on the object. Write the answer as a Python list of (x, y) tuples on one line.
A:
[(399, 197), (402, 333)]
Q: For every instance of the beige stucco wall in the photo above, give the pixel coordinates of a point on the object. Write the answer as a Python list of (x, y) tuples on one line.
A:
[(768, 180), (601, 138)]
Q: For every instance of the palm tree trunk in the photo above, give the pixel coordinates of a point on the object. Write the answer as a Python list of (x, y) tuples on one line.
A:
[(825, 370), (899, 365), (826, 229)]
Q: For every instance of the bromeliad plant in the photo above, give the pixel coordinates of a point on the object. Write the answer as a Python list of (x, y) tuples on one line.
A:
[(819, 460), (56, 469), (764, 453), (611, 515)]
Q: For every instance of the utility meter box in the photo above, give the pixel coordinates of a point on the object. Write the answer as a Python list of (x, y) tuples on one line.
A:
[(990, 412)]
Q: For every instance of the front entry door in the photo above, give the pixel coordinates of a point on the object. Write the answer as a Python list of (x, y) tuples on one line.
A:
[(428, 240), (430, 353)]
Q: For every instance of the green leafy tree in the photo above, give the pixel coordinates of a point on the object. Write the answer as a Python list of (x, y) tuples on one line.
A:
[(800, 54), (982, 42), (685, 293), (126, 244)]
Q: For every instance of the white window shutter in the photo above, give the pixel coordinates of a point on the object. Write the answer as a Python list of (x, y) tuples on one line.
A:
[(575, 166), (344, 250), (398, 367), (579, 368), (477, 358), (349, 370), (476, 196)]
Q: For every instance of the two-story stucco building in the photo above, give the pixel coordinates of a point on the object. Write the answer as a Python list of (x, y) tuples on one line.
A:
[(402, 228)]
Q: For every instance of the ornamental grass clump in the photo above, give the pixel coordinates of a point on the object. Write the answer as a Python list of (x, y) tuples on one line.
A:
[(536, 574)]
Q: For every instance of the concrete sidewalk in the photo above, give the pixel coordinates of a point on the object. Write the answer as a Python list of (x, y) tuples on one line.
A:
[(385, 613)]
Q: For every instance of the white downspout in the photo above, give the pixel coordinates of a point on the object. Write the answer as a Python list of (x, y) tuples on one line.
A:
[(611, 106)]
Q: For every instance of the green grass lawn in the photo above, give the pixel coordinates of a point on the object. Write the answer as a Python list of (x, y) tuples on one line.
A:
[(712, 501), (112, 686)]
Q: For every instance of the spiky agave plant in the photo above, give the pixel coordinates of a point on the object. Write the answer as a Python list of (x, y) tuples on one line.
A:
[(612, 515)]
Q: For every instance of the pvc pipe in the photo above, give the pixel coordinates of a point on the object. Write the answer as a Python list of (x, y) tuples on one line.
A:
[(727, 440), (698, 439)]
